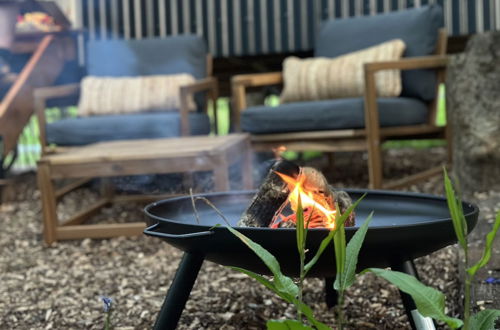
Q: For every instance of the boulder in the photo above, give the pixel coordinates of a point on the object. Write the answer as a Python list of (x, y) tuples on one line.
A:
[(473, 105)]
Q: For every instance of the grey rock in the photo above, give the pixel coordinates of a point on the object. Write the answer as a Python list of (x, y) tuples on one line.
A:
[(473, 105)]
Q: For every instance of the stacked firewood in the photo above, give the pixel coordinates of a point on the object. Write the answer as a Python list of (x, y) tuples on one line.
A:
[(269, 206)]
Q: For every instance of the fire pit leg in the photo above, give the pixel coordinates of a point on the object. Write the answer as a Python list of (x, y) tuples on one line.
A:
[(417, 320), (179, 291), (331, 296)]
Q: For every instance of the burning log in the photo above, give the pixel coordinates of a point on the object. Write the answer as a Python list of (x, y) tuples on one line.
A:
[(281, 189), (272, 193)]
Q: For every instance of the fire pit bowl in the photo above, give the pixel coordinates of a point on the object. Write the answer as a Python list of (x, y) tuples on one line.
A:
[(405, 226)]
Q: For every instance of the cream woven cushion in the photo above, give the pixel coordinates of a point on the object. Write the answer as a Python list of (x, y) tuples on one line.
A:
[(341, 77), (118, 95)]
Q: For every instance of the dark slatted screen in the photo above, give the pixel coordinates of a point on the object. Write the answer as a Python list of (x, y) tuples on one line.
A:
[(257, 27)]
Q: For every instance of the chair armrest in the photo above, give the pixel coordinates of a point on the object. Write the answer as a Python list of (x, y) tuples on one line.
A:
[(209, 85), (41, 95), (239, 83), (411, 63), (257, 79), (201, 85), (47, 93), (372, 123)]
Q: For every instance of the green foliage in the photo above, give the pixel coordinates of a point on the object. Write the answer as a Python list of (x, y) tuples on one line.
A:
[(460, 226), (429, 301), (346, 258), (484, 320), (487, 249), (300, 231), (303, 308), (284, 286), (339, 221), (339, 244), (282, 283), (456, 211), (345, 279), (286, 325)]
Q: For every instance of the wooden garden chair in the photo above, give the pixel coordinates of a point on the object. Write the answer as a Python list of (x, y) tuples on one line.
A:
[(364, 123)]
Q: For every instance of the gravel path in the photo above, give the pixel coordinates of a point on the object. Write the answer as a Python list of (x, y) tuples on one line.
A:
[(59, 287)]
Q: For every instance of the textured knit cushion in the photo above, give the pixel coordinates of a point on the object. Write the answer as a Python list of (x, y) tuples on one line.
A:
[(340, 77), (331, 115), (149, 56), (108, 95), (82, 131), (417, 27)]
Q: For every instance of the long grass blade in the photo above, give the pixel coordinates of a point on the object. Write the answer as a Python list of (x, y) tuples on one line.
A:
[(326, 241), (429, 301), (457, 216), (282, 282), (299, 228), (487, 248), (352, 253)]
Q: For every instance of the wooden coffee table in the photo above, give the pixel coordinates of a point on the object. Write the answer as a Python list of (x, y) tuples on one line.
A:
[(134, 157)]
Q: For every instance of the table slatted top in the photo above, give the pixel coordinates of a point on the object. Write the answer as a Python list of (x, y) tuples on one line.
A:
[(111, 151)]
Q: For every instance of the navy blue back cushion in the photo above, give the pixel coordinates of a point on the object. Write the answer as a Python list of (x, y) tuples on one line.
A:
[(152, 56), (417, 27)]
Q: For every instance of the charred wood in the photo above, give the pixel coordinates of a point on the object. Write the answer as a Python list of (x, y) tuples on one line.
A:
[(271, 195)]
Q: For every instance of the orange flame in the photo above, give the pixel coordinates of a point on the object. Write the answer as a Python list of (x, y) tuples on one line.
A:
[(309, 200)]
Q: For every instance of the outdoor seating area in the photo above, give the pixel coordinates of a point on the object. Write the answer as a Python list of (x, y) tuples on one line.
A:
[(249, 164)]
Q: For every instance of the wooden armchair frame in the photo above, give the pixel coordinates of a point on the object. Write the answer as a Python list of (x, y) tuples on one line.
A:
[(42, 95), (368, 138), (209, 85)]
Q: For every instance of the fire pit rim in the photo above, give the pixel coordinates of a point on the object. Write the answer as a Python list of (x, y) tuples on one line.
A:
[(399, 194)]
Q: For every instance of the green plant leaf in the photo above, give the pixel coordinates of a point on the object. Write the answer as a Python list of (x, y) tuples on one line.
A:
[(327, 239), (299, 226), (268, 284), (306, 310), (340, 254), (487, 248), (283, 283), (322, 247), (352, 252), (456, 212), (286, 325), (484, 320), (429, 301)]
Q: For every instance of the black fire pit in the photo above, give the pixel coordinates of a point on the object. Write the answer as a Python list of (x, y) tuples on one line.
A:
[(405, 226)]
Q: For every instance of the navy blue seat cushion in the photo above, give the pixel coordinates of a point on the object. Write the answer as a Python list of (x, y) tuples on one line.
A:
[(331, 115), (417, 27), (152, 56), (85, 130)]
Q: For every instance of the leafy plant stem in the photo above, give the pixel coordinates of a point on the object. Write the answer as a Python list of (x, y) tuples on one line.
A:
[(340, 310), (301, 246), (339, 243), (468, 282), (301, 287), (107, 323)]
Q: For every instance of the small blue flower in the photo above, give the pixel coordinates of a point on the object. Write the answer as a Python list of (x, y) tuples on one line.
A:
[(492, 280), (107, 303)]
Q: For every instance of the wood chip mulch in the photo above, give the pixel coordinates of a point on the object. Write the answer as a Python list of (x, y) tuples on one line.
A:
[(60, 287)]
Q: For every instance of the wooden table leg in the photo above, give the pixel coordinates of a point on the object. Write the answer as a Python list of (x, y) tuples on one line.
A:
[(221, 173), (107, 189), (49, 206)]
